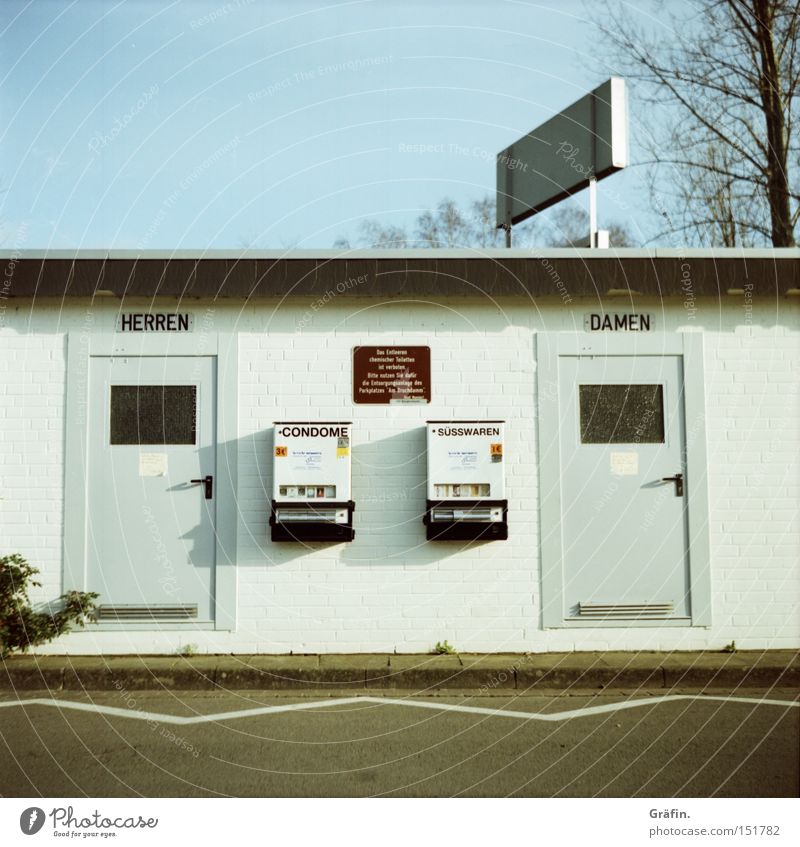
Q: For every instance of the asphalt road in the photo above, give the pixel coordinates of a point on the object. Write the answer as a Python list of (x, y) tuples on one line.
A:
[(690, 748)]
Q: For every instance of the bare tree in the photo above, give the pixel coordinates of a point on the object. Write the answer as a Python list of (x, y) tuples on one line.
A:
[(484, 229), (728, 78), (443, 227), (375, 234), (449, 226), (569, 227)]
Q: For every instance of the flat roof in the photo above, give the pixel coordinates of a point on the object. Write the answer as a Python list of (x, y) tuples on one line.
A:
[(532, 273), (418, 253)]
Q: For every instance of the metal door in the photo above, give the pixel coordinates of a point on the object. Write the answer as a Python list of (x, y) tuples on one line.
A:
[(623, 488), (151, 498)]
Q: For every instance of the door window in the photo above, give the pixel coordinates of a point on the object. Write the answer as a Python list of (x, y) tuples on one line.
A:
[(621, 414)]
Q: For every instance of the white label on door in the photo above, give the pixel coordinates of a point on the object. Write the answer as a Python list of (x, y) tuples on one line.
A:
[(625, 464), (152, 464)]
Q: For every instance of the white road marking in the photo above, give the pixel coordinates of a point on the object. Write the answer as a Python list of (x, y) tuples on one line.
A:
[(584, 712), (137, 714)]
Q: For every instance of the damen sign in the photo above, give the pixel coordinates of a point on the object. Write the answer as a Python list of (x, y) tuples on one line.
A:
[(618, 322)]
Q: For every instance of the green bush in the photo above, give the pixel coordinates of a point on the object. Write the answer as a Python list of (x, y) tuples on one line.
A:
[(20, 626)]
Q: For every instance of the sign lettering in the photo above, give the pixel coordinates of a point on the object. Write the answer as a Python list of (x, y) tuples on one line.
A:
[(628, 322), (314, 432), (155, 322), (461, 431), (392, 374)]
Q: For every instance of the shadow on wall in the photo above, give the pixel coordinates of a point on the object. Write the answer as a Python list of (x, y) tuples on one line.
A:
[(389, 490)]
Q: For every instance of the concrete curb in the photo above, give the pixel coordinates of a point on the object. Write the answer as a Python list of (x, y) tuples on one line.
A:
[(372, 672)]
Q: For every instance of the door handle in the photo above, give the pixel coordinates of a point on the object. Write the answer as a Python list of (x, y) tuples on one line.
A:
[(208, 481), (678, 480)]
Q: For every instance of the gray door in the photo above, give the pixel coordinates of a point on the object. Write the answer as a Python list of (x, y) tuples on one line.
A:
[(624, 527), (151, 541)]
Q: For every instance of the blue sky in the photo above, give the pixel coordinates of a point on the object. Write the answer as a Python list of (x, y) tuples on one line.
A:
[(141, 124)]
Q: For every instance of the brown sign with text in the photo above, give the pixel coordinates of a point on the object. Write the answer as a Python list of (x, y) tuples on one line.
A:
[(391, 374)]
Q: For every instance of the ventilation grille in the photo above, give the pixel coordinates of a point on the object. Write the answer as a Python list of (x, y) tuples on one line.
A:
[(625, 610), (146, 613)]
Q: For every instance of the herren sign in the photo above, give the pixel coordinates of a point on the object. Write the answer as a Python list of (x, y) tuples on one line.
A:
[(155, 322), (391, 374)]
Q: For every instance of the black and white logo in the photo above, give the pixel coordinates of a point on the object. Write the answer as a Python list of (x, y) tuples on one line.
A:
[(31, 820)]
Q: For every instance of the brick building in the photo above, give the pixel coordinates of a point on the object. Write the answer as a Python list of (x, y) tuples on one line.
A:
[(649, 403)]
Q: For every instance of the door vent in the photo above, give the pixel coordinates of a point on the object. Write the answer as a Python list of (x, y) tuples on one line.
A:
[(625, 610), (146, 613)]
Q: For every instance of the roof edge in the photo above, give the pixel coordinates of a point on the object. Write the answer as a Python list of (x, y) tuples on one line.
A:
[(777, 253)]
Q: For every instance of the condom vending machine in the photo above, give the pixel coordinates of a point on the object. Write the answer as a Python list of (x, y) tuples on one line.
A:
[(311, 498)]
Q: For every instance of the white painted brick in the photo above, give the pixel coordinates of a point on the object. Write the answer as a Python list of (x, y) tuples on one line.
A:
[(390, 589)]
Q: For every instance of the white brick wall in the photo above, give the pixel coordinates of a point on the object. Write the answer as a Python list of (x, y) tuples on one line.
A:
[(390, 590), (32, 392)]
